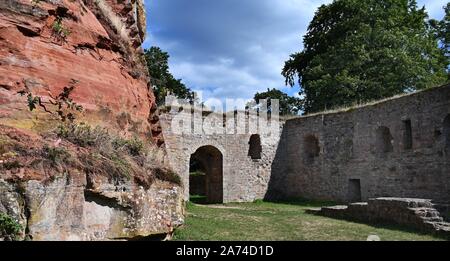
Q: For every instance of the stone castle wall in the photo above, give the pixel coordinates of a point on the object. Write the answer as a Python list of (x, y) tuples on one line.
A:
[(244, 179), (393, 148)]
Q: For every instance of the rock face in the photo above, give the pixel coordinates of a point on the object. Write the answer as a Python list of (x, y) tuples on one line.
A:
[(65, 210), (44, 45)]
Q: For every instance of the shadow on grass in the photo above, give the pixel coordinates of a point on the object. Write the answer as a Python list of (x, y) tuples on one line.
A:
[(403, 228), (390, 226), (301, 202)]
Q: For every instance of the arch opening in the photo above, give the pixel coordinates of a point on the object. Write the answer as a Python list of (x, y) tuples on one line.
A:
[(255, 148), (206, 176)]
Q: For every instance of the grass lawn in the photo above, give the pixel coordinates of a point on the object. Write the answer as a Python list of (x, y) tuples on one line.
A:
[(261, 221)]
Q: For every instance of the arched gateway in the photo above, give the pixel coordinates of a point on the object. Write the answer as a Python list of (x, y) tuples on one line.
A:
[(206, 179)]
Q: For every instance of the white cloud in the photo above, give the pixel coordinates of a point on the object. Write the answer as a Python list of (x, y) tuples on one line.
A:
[(234, 48)]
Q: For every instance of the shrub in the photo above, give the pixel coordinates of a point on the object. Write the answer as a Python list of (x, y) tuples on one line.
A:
[(9, 228), (66, 108), (59, 30), (134, 147), (168, 175), (55, 155), (83, 135), (121, 166)]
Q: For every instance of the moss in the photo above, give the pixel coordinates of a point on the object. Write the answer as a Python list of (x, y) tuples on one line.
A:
[(10, 229)]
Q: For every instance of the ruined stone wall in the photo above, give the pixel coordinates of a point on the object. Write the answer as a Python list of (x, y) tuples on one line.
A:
[(394, 148), (244, 179)]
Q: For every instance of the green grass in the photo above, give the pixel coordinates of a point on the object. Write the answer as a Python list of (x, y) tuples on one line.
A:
[(261, 221), (197, 173), (198, 199)]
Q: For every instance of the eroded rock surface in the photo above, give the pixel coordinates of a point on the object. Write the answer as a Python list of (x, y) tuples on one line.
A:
[(44, 45)]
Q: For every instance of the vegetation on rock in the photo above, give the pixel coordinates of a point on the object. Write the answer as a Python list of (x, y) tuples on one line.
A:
[(9, 228), (59, 30), (64, 106)]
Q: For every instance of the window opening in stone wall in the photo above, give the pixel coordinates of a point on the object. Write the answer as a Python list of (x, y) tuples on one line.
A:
[(407, 135), (255, 148), (354, 190), (447, 132), (384, 140), (311, 146)]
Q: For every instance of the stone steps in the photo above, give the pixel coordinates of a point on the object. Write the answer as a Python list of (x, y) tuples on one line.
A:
[(420, 214)]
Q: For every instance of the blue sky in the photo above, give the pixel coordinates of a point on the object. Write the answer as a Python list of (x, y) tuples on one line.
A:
[(234, 48)]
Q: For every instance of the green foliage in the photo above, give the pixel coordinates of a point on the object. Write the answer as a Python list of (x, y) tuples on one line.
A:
[(9, 228), (120, 165), (134, 146), (197, 199), (163, 82), (197, 173), (65, 106), (166, 174), (442, 32), (114, 156), (56, 155), (83, 134), (59, 30), (266, 221), (287, 105), (358, 51)]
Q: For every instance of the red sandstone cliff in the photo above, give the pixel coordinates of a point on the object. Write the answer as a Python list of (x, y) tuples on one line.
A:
[(99, 47), (84, 184)]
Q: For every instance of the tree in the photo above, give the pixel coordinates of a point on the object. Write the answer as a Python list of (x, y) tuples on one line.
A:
[(163, 81), (356, 51), (288, 105), (442, 32)]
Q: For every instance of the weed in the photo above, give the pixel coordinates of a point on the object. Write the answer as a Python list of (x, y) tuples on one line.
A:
[(65, 106), (121, 166), (168, 175), (9, 228), (83, 135), (133, 146), (56, 155), (59, 30)]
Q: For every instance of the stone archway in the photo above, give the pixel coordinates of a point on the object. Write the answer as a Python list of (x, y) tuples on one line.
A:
[(209, 160)]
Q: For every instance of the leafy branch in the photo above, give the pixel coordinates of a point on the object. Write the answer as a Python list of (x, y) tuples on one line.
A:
[(62, 102), (59, 30)]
